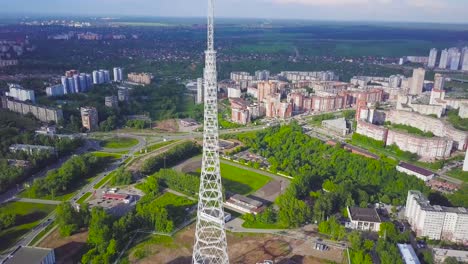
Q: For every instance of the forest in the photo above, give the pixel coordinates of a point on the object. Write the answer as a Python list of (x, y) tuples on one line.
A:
[(170, 158), (17, 129)]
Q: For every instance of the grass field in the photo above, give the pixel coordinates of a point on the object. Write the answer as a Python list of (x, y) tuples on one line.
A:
[(459, 174), (159, 145), (174, 200), (28, 215), (242, 181), (257, 225), (104, 180), (119, 143), (83, 198), (107, 154)]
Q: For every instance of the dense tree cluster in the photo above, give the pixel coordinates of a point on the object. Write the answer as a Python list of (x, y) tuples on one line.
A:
[(268, 216), (139, 124), (332, 228), (121, 177), (181, 182), (172, 157), (360, 248), (7, 219), (72, 171), (352, 180), (70, 220), (17, 129)]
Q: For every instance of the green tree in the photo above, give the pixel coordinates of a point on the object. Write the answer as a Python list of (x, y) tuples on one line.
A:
[(7, 219)]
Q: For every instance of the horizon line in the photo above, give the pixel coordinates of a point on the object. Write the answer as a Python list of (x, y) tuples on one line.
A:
[(118, 16)]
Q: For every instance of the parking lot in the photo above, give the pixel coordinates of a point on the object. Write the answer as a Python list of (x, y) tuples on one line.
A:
[(117, 201)]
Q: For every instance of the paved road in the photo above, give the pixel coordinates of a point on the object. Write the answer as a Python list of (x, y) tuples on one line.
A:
[(38, 201), (26, 239), (12, 192)]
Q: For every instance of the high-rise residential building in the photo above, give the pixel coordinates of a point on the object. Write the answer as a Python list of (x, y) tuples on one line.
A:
[(111, 101), (439, 82), (394, 81), (199, 90), (452, 56), (432, 58), (417, 82), (118, 74), (95, 77), (56, 90), (444, 59), (89, 118), (455, 58), (101, 76), (18, 93), (436, 222), (262, 75), (123, 94), (465, 163), (464, 59)]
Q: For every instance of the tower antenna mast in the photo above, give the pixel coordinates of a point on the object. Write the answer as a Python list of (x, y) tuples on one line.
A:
[(210, 236)]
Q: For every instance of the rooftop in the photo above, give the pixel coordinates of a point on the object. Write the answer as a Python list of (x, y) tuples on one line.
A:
[(364, 214), (409, 256), (426, 205), (416, 169), (247, 200), (30, 255)]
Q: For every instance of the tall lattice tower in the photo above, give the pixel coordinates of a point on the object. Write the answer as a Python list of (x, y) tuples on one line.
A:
[(210, 237)]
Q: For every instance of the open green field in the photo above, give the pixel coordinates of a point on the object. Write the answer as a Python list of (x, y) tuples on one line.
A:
[(83, 198), (159, 145), (173, 200), (242, 181), (119, 143), (107, 154), (258, 225), (458, 173), (28, 215)]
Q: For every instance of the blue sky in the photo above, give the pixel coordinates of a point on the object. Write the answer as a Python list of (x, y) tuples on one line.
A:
[(368, 10)]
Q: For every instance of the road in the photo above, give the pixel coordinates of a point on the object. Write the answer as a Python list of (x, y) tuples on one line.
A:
[(11, 195), (12, 192)]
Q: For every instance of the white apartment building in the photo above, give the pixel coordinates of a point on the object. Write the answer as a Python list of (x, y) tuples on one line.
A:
[(432, 58), (20, 94), (444, 57), (55, 90), (434, 221), (118, 74)]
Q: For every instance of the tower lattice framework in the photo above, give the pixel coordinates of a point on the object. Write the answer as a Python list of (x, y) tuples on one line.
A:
[(210, 237)]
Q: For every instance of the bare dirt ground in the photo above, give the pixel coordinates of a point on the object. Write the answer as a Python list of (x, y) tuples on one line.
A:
[(243, 248), (170, 125), (66, 249), (138, 163)]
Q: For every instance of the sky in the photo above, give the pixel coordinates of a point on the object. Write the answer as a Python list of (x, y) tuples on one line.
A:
[(438, 11)]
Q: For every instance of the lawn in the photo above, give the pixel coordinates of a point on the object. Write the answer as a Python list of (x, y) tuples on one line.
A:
[(159, 145), (174, 200), (104, 180), (107, 154), (176, 206), (458, 173), (242, 181), (83, 198), (28, 215), (119, 142)]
